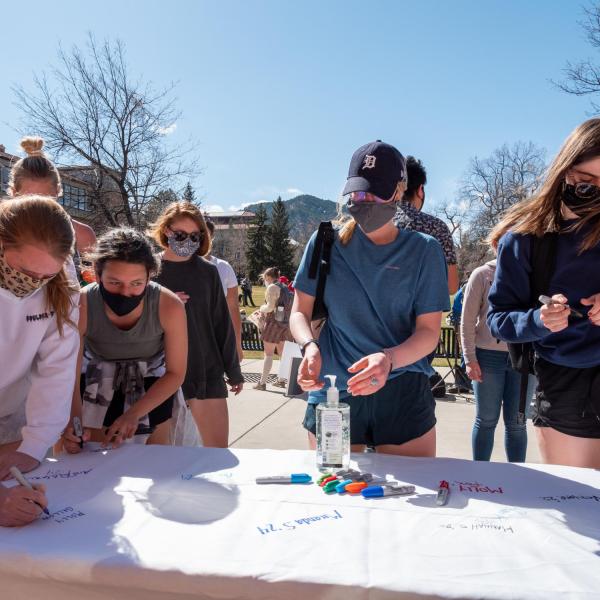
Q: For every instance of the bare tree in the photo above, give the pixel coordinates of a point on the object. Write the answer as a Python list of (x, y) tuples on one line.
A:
[(583, 78), (89, 107), (489, 187)]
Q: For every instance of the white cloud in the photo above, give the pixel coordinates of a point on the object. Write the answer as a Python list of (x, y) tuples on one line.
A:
[(213, 208), (270, 193), (167, 130), (293, 191)]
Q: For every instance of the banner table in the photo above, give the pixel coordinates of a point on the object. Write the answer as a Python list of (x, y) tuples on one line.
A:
[(160, 523)]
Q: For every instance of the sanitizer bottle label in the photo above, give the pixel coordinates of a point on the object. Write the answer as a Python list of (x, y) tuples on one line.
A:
[(332, 437)]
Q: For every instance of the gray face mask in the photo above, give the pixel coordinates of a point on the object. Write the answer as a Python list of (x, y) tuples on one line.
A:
[(371, 216)]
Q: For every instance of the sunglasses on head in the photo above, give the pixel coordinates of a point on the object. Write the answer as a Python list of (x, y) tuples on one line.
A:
[(360, 197), (181, 236)]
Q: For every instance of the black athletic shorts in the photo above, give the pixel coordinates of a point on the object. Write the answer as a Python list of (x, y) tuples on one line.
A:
[(401, 411), (567, 399)]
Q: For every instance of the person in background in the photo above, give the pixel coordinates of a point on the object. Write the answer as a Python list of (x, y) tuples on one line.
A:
[(247, 292), (133, 346), (496, 384), (566, 412), (182, 233), (38, 346), (36, 174), (385, 293), (274, 330), (462, 384), (410, 216), (230, 288)]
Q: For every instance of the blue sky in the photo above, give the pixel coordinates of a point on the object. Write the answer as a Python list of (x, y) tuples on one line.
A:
[(280, 93)]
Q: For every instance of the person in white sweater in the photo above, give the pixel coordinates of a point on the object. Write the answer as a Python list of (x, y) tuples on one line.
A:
[(39, 342), (495, 383)]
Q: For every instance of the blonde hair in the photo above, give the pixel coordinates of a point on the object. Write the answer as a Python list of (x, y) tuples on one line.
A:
[(42, 222), (34, 166), (272, 272), (174, 212), (541, 213)]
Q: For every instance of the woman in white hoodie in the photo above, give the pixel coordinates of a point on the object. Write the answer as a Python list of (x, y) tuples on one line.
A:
[(39, 342)]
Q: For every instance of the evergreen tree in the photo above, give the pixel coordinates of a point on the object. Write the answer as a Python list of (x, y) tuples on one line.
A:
[(257, 249), (281, 253), (189, 195)]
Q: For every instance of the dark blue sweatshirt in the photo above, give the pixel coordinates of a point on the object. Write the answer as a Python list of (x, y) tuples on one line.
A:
[(575, 276)]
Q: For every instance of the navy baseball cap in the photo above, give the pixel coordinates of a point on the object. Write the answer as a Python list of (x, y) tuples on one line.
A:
[(376, 168)]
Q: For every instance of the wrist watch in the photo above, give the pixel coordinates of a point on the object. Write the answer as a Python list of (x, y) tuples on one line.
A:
[(304, 344)]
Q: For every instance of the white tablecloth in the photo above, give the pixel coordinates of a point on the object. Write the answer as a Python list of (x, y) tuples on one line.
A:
[(154, 522)]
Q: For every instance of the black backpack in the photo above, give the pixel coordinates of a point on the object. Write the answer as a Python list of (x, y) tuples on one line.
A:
[(320, 265), (543, 264)]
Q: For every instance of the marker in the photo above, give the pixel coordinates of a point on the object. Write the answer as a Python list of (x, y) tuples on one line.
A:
[(78, 430), (380, 491), (443, 493), (549, 302), (325, 481), (356, 487), (323, 478), (331, 486), (340, 488), (293, 478), (14, 471)]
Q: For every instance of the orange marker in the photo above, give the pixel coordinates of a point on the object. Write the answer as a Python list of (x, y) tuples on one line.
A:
[(356, 487)]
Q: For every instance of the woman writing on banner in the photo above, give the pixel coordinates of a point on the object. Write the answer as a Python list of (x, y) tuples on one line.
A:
[(273, 323), (567, 347), (38, 346), (133, 346), (36, 174), (385, 294), (182, 233)]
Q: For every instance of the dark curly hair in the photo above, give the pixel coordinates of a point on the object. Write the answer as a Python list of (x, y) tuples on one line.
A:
[(126, 245)]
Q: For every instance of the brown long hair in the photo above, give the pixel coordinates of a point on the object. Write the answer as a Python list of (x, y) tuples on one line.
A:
[(34, 166), (174, 212), (40, 221), (542, 212)]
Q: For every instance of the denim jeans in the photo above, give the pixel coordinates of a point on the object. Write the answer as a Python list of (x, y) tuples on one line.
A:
[(500, 388)]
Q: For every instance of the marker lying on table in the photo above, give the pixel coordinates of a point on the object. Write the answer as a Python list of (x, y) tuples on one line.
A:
[(443, 493), (78, 429), (293, 478), (380, 491), (549, 302), (14, 471)]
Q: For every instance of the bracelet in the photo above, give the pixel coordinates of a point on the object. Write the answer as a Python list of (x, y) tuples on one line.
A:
[(311, 341), (389, 354)]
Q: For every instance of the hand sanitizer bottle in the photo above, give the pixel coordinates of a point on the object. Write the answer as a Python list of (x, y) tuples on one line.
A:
[(333, 431)]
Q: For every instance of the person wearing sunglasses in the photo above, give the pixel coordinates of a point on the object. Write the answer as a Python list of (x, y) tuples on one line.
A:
[(213, 351), (385, 293), (567, 347)]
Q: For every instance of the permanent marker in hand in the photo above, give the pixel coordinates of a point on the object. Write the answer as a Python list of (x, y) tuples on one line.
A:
[(293, 478), (549, 302), (443, 493), (19, 477), (78, 429)]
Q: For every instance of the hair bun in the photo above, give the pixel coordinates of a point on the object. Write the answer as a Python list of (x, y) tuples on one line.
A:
[(33, 145)]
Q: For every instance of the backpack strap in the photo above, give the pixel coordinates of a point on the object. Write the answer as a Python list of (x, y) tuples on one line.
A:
[(543, 265), (320, 262)]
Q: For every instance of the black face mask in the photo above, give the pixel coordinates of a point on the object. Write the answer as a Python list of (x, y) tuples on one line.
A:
[(581, 197), (119, 304)]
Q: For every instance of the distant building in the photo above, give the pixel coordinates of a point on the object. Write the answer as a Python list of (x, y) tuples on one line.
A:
[(78, 190), (231, 236)]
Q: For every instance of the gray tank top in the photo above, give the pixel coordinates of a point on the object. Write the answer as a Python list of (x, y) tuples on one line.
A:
[(105, 341)]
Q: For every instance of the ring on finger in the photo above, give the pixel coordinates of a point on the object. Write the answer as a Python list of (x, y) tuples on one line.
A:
[(374, 381)]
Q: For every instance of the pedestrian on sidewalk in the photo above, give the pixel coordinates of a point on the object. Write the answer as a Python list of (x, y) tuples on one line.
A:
[(274, 323), (496, 384)]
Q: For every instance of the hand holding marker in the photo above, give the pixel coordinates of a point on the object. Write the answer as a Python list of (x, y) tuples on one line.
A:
[(14, 471), (78, 429), (549, 302)]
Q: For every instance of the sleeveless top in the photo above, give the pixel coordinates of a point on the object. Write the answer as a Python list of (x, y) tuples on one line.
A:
[(105, 341)]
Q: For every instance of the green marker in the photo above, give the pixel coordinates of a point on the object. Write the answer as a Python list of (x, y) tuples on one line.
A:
[(329, 487)]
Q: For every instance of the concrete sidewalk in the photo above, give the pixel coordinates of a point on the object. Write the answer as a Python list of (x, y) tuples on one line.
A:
[(271, 420)]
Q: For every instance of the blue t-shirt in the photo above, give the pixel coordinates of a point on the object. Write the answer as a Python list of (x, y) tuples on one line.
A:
[(373, 295), (576, 276)]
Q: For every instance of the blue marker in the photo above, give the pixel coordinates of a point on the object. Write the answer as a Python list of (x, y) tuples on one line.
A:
[(380, 491), (340, 488), (293, 478)]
